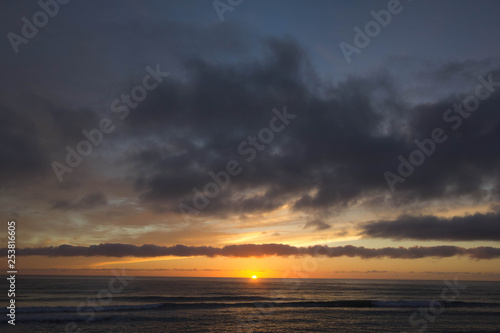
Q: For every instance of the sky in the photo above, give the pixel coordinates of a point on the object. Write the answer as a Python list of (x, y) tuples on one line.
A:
[(325, 139)]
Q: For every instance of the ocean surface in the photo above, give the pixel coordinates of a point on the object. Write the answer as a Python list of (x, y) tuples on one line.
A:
[(161, 304)]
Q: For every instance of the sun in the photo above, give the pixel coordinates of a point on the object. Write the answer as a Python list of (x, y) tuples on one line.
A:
[(254, 277)]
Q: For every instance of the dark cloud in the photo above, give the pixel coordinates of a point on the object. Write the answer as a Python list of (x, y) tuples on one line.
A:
[(88, 201), (484, 227), (35, 133), (365, 272), (261, 250), (21, 155), (332, 156), (317, 224)]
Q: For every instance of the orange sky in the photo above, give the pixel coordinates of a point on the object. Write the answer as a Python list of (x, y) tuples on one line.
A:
[(265, 228), (269, 267)]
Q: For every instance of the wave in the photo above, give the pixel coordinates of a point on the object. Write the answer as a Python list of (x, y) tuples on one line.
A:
[(165, 299), (265, 303), (176, 311), (415, 304)]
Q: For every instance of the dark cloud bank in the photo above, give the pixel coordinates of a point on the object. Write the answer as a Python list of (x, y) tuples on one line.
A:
[(484, 227), (261, 250)]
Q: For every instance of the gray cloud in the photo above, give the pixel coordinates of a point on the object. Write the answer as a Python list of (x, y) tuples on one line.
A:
[(261, 250), (88, 201), (317, 224), (465, 228), (337, 149)]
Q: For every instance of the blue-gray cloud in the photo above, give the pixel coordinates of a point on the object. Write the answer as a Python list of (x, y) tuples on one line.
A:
[(485, 227)]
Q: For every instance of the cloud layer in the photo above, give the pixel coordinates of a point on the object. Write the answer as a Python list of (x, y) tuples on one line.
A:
[(261, 250)]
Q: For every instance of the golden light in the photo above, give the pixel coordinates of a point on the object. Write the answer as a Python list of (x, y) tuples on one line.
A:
[(254, 277)]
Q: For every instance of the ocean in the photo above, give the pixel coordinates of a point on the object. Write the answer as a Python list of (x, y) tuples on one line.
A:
[(174, 304)]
